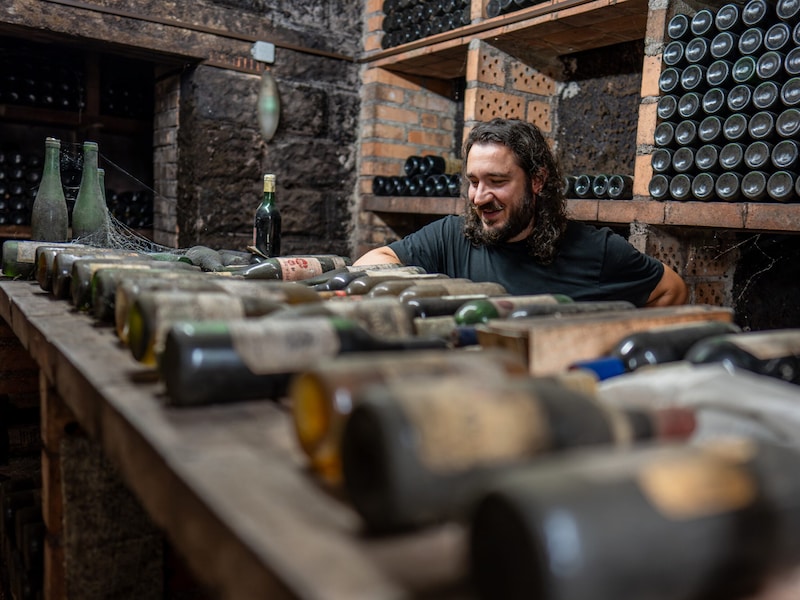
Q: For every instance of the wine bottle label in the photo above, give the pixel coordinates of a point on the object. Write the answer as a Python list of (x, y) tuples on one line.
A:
[(461, 424), (769, 345), (690, 487), (383, 317), (179, 306), (268, 346), (504, 306), (297, 268)]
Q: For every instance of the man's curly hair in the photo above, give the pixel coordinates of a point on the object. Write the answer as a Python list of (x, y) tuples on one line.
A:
[(533, 155)]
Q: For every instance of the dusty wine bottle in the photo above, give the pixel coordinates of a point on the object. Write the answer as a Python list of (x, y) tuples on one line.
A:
[(226, 361), (393, 286), (324, 395), (717, 519), (758, 155), (19, 257), (450, 287), (267, 221), (90, 215), (384, 317), (481, 310), (438, 306), (363, 285), (665, 344), (105, 281), (129, 289), (774, 353), (64, 263), (49, 216), (59, 277), (411, 456), (154, 312), (294, 268), (524, 311), (85, 271)]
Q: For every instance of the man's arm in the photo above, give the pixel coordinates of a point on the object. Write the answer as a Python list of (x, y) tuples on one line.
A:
[(378, 256), (670, 290)]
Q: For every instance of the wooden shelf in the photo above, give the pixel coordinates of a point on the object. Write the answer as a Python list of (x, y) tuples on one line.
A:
[(71, 119), (15, 232), (534, 35), (749, 216)]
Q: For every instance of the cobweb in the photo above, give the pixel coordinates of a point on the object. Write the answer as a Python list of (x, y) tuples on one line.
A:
[(115, 233)]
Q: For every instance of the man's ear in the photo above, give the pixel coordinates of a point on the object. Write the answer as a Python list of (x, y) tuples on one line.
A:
[(537, 181)]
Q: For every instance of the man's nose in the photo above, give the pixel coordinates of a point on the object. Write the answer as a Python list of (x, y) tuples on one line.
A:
[(482, 195)]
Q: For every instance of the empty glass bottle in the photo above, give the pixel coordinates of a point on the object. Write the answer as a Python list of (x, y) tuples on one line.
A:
[(90, 215), (49, 216)]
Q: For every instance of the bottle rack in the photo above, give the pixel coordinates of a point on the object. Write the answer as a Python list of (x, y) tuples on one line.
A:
[(72, 95), (536, 35)]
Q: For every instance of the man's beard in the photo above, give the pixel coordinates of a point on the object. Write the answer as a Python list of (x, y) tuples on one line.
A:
[(519, 218)]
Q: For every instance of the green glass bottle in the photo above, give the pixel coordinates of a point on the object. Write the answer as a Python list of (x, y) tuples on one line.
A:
[(127, 290), (293, 268), (419, 451), (480, 311), (62, 268), (49, 216), (393, 287), (154, 312), (267, 221), (227, 361), (19, 256), (46, 259), (84, 274), (365, 284), (448, 287), (774, 353), (385, 317), (717, 519), (104, 284), (324, 395), (90, 215), (569, 308)]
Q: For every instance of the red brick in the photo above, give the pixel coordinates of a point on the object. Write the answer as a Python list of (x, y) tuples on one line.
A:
[(529, 80), (399, 115), (426, 137)]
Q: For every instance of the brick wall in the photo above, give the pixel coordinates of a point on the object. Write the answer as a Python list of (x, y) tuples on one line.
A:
[(165, 159)]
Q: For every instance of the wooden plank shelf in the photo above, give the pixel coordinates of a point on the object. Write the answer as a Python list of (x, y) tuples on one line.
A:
[(746, 216), (534, 34)]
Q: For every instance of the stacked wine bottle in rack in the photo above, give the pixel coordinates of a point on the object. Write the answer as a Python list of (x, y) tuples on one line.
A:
[(409, 20), (729, 107), (19, 180), (495, 8), (21, 172), (423, 176), (614, 186)]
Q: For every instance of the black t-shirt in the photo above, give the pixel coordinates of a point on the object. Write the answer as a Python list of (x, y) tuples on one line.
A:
[(592, 263)]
